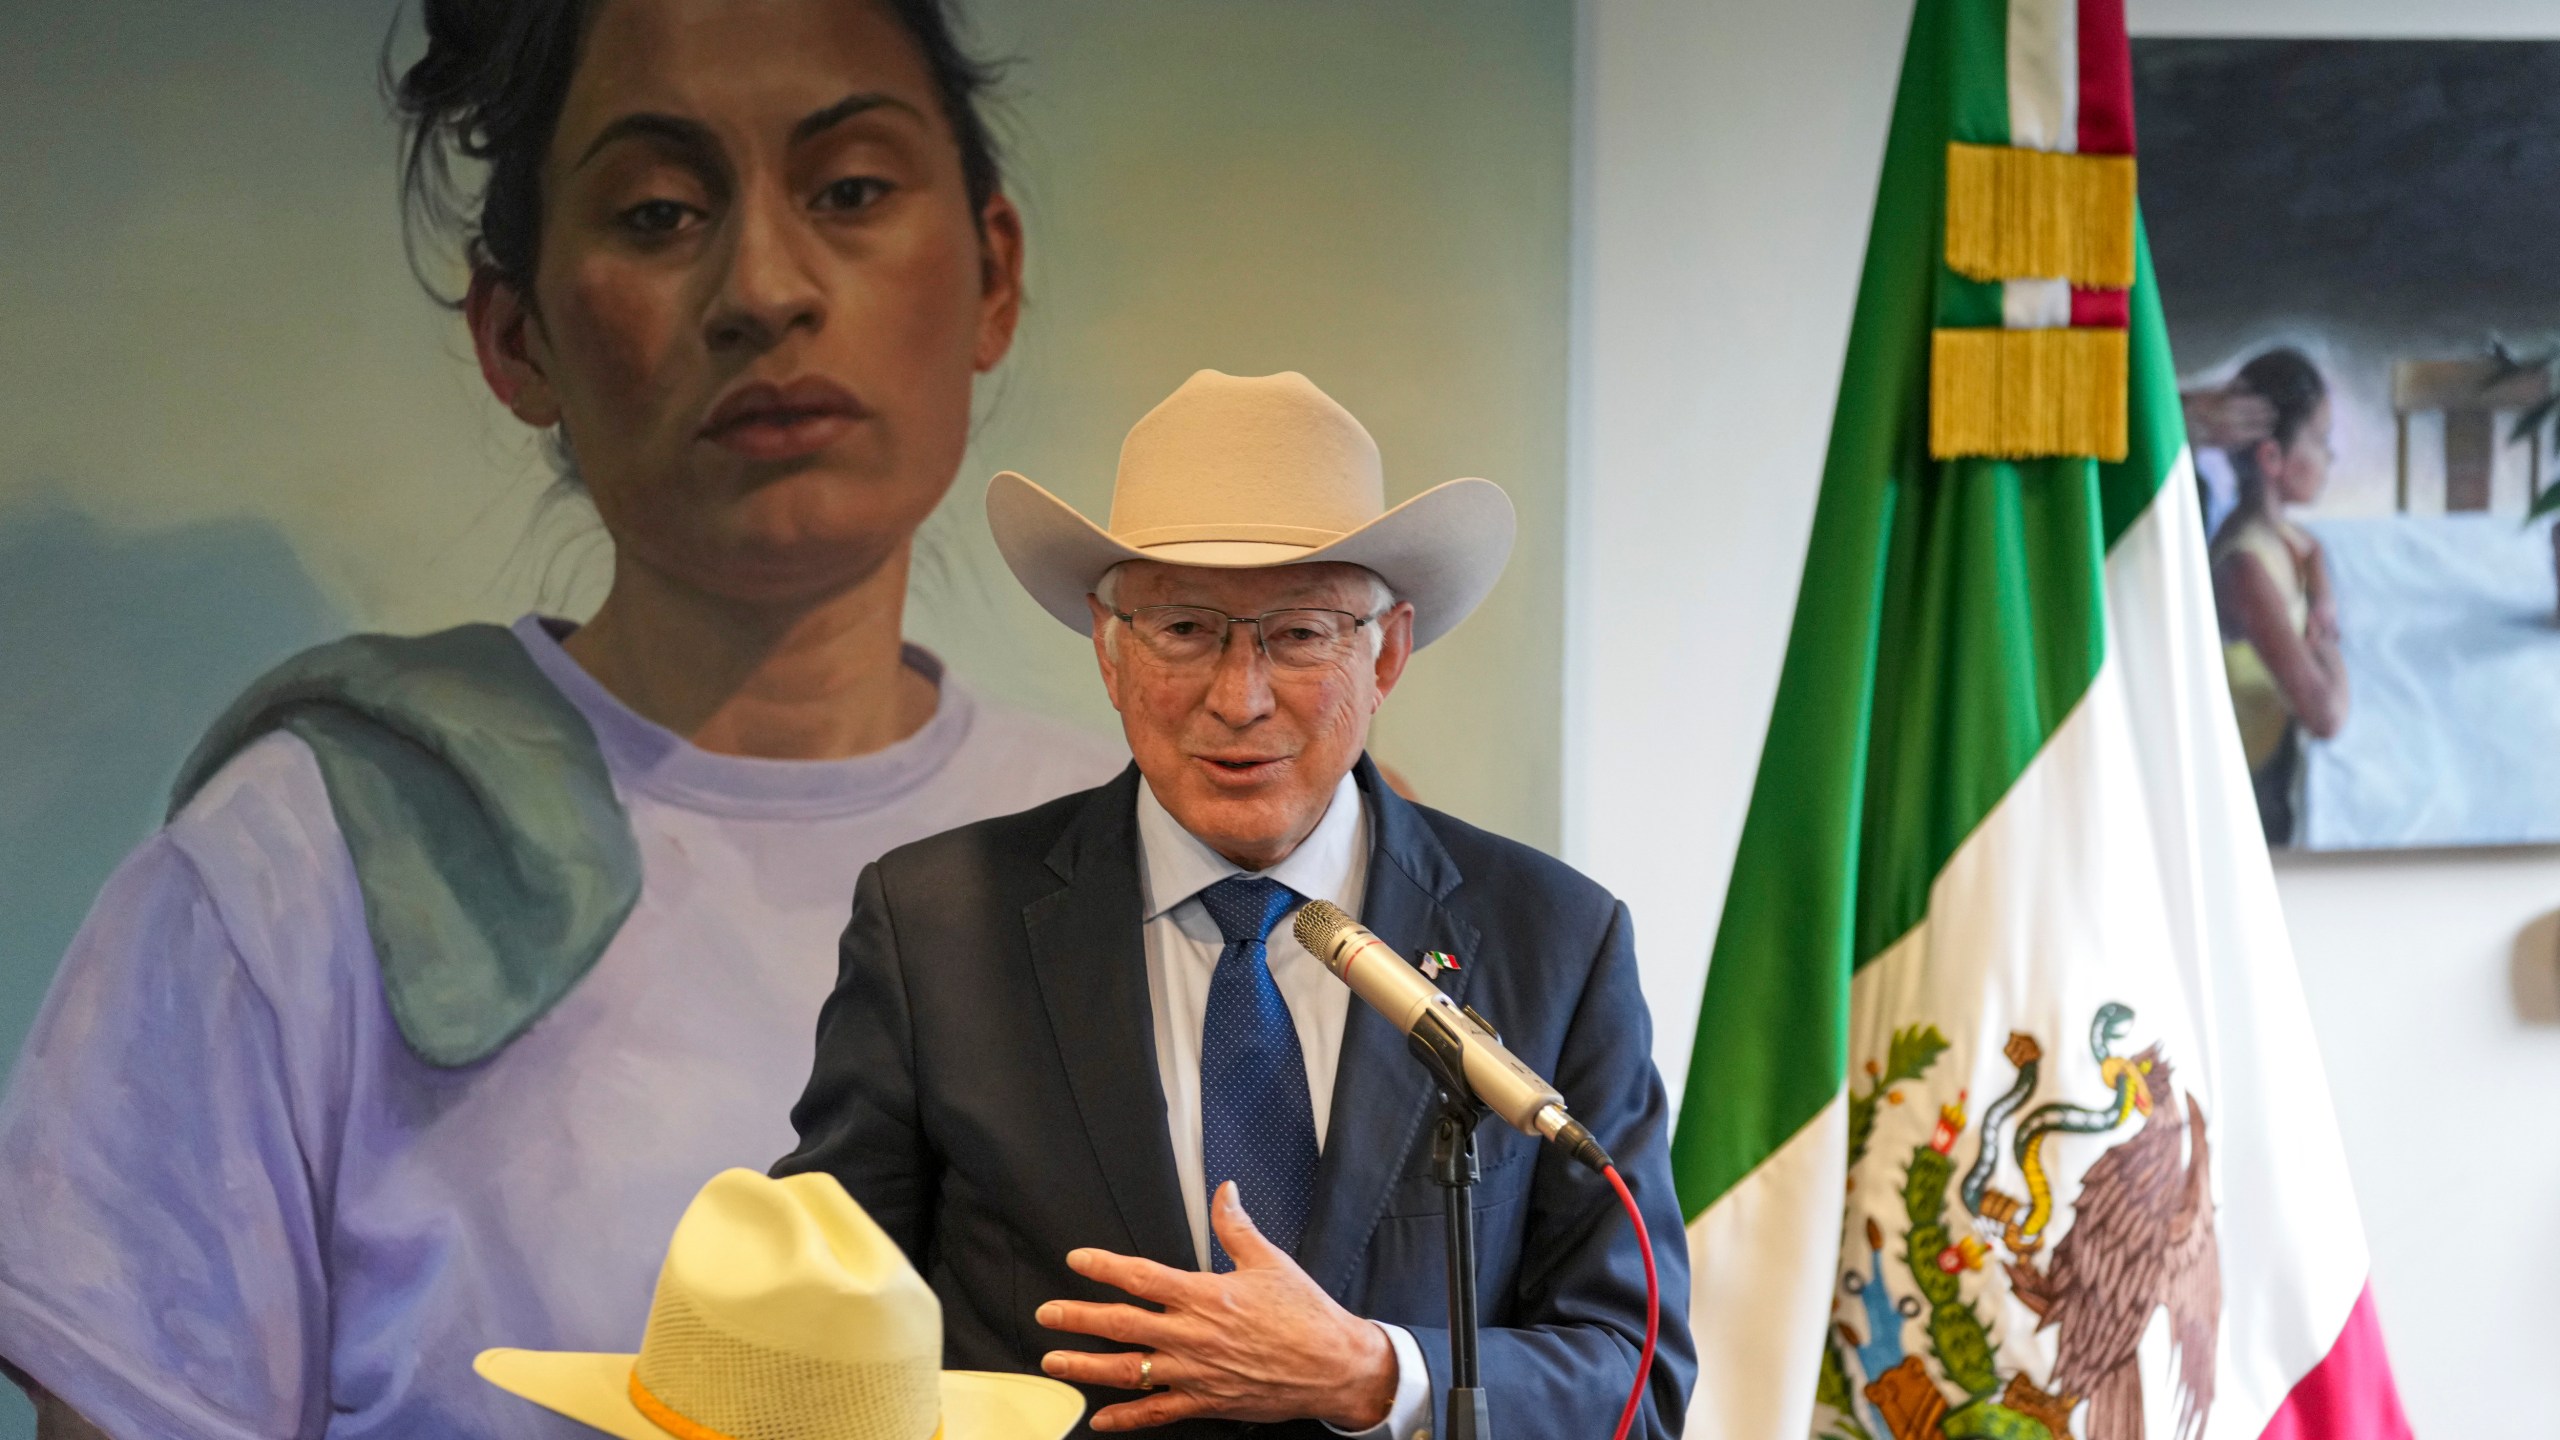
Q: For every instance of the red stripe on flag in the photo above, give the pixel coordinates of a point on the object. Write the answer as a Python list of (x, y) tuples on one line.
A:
[(2106, 80), (2101, 309), (2349, 1395)]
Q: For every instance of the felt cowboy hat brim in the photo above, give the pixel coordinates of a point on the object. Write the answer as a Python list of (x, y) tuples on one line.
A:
[(1442, 550), (596, 1390)]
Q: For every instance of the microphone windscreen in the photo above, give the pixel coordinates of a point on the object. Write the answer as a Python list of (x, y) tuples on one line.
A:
[(1318, 922)]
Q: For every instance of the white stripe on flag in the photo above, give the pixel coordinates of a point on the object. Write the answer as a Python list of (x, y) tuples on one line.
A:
[(2293, 1247), (1760, 1261), (2044, 74), (2123, 867), (2035, 304)]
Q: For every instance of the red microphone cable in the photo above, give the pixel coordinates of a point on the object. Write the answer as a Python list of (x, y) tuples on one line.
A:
[(1652, 1301)]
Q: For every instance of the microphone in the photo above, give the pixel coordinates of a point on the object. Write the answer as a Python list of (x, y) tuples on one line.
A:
[(1461, 1050)]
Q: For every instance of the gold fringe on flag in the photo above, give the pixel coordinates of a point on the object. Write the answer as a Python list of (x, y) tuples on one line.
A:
[(2035, 214), (2018, 394)]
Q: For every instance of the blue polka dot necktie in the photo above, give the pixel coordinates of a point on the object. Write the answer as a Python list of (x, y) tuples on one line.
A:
[(1257, 1126)]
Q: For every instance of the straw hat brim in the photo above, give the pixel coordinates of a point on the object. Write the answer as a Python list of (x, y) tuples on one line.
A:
[(1442, 550), (596, 1390)]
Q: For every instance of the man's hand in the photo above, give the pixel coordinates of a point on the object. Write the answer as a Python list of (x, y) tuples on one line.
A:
[(1262, 1344), (2228, 418)]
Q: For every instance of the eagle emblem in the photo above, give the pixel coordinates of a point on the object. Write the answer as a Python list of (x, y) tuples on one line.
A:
[(2139, 1243)]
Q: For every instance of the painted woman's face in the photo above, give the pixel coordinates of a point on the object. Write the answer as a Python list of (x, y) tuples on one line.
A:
[(2305, 469), (762, 296)]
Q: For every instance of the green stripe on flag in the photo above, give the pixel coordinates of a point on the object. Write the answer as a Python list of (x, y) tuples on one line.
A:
[(2156, 423), (1950, 616), (1975, 78)]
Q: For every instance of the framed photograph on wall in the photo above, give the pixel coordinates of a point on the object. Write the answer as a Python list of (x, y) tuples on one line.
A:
[(2358, 244)]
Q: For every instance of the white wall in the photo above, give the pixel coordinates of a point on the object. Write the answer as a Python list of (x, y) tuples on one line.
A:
[(1726, 161), (2435, 987)]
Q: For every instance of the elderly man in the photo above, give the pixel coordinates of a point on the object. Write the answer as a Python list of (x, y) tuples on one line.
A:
[(1076, 1058)]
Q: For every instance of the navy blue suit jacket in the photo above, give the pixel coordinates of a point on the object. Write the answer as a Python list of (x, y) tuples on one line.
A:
[(985, 1084)]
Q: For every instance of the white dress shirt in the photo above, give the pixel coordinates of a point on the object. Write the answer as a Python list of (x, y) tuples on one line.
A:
[(1183, 944)]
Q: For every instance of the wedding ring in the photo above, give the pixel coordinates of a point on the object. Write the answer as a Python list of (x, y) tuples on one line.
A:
[(1146, 1373)]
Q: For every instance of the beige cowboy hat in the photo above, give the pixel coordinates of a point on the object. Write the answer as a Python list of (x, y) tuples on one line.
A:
[(1242, 472), (785, 1311)]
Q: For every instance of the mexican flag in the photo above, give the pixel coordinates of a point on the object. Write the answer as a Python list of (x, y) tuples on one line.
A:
[(2005, 1117)]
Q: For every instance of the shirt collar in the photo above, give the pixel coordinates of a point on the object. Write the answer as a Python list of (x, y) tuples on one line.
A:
[(1328, 865), (647, 757)]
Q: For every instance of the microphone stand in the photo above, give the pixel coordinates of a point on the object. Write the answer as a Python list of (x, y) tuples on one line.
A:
[(1453, 1169)]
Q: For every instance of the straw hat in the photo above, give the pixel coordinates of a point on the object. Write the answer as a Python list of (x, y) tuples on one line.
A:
[(1242, 472), (786, 1313)]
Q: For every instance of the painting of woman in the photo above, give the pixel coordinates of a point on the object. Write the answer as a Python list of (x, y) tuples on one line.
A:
[(464, 960), (2271, 584)]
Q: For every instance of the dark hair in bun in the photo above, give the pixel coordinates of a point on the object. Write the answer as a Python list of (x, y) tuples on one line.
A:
[(489, 91), (2287, 380)]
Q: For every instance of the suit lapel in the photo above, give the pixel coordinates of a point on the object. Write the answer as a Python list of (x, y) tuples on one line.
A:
[(1382, 1097), (1089, 953)]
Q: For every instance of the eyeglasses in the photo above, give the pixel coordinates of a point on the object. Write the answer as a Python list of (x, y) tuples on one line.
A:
[(1186, 636)]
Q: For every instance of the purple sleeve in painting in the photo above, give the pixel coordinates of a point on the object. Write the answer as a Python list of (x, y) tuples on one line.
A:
[(159, 1262)]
